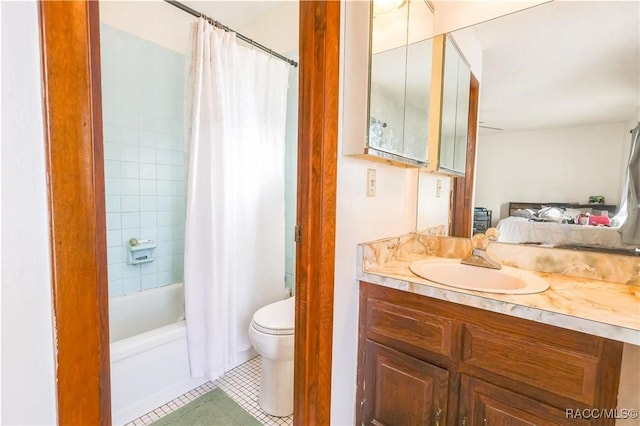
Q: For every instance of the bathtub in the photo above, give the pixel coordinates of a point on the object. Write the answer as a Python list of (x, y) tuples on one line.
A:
[(149, 362)]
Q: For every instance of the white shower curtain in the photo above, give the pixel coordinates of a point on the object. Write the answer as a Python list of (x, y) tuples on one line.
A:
[(235, 112)]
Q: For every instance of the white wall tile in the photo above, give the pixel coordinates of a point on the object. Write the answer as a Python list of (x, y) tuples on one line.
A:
[(130, 220), (147, 171), (112, 203), (164, 172), (131, 285), (147, 155), (111, 169), (149, 233), (130, 203), (148, 203), (129, 136), (149, 281), (164, 203), (148, 219), (114, 238), (147, 139), (164, 248), (114, 221), (165, 233), (112, 186), (115, 287), (130, 153), (147, 187), (129, 170), (130, 186), (165, 263), (164, 157)]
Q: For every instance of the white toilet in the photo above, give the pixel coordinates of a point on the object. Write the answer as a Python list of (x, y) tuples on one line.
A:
[(271, 334)]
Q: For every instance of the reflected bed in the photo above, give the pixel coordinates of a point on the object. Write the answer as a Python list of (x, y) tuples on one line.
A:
[(525, 226)]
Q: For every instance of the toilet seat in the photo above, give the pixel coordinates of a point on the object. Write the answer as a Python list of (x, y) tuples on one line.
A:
[(276, 318)]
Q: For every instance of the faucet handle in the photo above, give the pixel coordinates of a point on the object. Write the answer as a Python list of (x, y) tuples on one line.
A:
[(492, 234), (479, 241)]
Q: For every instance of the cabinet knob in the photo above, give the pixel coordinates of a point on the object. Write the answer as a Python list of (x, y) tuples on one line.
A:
[(438, 412), (464, 421)]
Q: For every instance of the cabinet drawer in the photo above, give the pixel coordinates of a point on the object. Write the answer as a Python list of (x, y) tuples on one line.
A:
[(528, 360), (406, 328)]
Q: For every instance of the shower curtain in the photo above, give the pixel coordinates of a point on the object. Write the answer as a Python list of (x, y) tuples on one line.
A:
[(235, 112)]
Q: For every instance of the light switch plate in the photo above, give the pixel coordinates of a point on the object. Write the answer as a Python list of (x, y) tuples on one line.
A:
[(371, 182)]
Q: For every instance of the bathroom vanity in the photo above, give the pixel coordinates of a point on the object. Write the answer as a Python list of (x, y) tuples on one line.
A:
[(434, 355)]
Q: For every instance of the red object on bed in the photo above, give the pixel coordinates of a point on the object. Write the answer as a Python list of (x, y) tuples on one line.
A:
[(599, 220)]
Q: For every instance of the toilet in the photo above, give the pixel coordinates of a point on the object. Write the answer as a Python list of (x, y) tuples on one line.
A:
[(271, 334)]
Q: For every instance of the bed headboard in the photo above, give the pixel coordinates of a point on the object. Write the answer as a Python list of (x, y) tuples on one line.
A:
[(609, 208)]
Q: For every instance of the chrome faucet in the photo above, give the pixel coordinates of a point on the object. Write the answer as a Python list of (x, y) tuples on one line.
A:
[(479, 255)]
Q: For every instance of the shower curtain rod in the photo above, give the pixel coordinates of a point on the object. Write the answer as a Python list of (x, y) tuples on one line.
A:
[(244, 38)]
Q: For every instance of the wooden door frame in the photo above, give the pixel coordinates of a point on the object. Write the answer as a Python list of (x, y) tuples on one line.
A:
[(462, 194), (69, 32)]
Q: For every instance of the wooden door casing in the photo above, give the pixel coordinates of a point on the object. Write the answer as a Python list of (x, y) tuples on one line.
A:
[(69, 32)]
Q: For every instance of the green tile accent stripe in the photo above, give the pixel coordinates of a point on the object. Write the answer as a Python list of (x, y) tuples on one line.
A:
[(212, 408)]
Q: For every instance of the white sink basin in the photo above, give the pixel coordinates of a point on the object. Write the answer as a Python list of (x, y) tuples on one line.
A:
[(454, 274)]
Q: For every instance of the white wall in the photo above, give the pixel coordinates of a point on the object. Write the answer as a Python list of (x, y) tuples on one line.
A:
[(552, 165), (28, 361), (434, 195), (168, 26)]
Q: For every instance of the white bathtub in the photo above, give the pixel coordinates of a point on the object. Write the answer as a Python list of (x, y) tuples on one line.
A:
[(149, 361)]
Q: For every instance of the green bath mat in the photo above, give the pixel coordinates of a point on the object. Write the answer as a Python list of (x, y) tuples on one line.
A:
[(212, 408)]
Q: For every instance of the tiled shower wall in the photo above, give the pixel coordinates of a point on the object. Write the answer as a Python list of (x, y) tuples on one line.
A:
[(142, 94)]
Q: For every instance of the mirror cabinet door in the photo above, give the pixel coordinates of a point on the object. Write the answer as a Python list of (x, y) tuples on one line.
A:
[(400, 82), (416, 111), (386, 101), (462, 117), (387, 80), (454, 110)]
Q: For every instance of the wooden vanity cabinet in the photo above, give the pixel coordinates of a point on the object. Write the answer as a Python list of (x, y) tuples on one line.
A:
[(423, 361)]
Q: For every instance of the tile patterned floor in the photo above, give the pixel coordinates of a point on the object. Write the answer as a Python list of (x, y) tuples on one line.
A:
[(241, 384)]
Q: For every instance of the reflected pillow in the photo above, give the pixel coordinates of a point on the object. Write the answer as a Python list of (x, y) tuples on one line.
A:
[(550, 214), (525, 213)]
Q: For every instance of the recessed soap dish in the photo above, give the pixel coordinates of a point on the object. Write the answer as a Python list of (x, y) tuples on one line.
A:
[(140, 251)]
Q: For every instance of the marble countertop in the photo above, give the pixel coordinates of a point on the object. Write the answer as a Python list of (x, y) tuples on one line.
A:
[(601, 308)]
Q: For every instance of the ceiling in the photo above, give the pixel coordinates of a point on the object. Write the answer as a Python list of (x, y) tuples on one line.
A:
[(560, 64), (233, 13)]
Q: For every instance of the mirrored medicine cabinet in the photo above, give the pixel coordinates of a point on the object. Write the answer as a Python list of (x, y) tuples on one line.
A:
[(418, 107)]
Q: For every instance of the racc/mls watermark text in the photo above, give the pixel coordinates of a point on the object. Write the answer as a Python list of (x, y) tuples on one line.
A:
[(601, 413)]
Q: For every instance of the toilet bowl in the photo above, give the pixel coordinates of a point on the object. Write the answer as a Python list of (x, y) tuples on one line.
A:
[(271, 334)]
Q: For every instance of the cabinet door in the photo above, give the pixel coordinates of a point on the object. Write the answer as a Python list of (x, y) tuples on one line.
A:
[(483, 404), (401, 390)]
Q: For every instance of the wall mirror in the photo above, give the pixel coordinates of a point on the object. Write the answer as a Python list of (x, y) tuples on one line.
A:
[(400, 80), (560, 92)]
